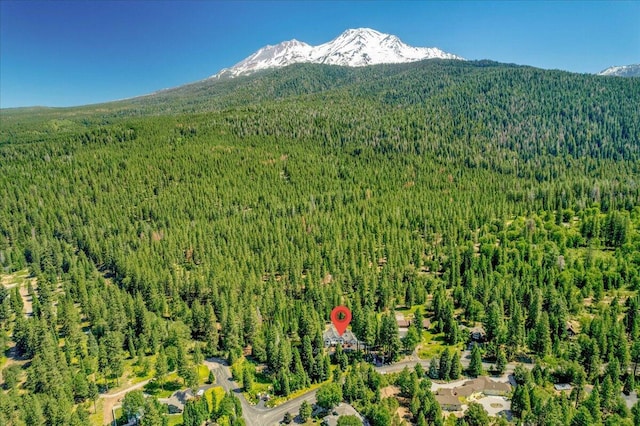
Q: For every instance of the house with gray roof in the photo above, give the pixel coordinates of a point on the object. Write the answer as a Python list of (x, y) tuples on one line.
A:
[(348, 340)]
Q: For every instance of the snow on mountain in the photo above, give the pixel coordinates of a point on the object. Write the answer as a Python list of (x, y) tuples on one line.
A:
[(622, 71), (353, 48)]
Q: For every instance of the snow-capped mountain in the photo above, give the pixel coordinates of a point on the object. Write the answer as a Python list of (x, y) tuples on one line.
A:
[(623, 71), (353, 48)]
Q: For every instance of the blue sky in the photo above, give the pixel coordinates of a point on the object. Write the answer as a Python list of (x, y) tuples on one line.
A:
[(72, 53)]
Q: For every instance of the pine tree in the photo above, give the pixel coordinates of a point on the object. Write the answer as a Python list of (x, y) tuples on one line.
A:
[(501, 361), (475, 365), (520, 403), (456, 367), (493, 323), (161, 366), (305, 411), (444, 368), (411, 340), (593, 404), (516, 331)]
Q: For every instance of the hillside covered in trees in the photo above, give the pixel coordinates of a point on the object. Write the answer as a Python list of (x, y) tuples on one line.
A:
[(228, 218)]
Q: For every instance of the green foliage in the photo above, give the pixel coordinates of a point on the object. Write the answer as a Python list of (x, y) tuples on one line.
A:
[(475, 365), (305, 411), (412, 338), (476, 415), (196, 411), (329, 395), (379, 416), (10, 376), (501, 362), (153, 413), (131, 404), (349, 421)]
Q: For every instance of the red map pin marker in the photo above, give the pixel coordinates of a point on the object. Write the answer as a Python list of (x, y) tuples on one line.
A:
[(340, 317)]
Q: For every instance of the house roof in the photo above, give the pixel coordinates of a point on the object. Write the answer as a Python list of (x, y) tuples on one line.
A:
[(447, 397), (342, 410), (332, 334), (573, 327), (482, 384), (562, 387), (477, 329)]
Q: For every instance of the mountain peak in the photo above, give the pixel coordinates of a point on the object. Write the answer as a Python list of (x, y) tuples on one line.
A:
[(622, 71), (353, 48)]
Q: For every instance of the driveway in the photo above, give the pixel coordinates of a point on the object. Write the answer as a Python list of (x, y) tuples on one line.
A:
[(495, 404)]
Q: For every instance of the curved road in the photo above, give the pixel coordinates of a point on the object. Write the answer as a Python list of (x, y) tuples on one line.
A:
[(258, 416), (255, 415)]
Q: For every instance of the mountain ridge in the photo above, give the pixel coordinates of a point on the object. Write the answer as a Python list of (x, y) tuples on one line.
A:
[(353, 48)]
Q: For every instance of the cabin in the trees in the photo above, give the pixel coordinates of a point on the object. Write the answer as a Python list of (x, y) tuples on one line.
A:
[(573, 328), (562, 387), (402, 321), (477, 334)]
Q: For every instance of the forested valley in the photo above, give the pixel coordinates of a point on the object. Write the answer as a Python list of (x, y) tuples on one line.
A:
[(224, 220)]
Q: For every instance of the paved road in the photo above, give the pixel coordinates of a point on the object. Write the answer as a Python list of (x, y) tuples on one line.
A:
[(255, 415)]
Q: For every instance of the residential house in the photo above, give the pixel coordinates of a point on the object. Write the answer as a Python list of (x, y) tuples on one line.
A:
[(485, 385), (348, 340)]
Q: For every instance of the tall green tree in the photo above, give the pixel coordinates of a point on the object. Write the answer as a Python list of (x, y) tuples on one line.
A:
[(475, 365)]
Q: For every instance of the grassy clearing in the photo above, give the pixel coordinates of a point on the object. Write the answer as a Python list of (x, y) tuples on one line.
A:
[(118, 414), (171, 383), (203, 374), (262, 384), (432, 345), (408, 312), (97, 418), (174, 419)]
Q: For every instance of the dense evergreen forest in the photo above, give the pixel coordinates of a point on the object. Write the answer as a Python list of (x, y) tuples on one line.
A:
[(227, 219)]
